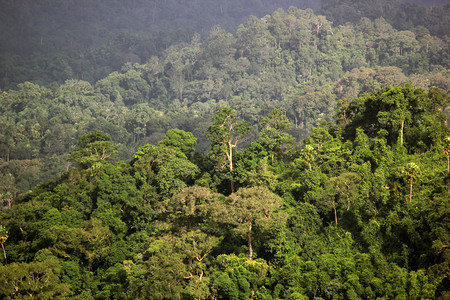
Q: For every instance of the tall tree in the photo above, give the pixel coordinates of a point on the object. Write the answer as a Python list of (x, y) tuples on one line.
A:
[(273, 136), (251, 208), (94, 147), (411, 172), (446, 152), (180, 139), (394, 108), (164, 167), (225, 133), (3, 238)]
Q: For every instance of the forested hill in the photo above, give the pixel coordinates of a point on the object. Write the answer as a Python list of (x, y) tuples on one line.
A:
[(52, 41), (295, 158), (293, 60), (47, 41), (361, 211)]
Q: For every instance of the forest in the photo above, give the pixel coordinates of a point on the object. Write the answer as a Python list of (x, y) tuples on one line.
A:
[(297, 154)]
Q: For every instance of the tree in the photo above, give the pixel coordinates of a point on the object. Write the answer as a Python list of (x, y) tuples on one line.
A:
[(394, 108), (175, 65), (34, 279), (446, 152), (239, 277), (412, 172), (94, 147), (273, 136), (180, 139), (399, 112), (308, 153), (251, 208), (164, 271), (163, 167), (3, 238), (225, 133), (140, 119), (344, 186), (191, 237)]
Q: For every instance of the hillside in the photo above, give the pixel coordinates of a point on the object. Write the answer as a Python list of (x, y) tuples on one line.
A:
[(303, 154), (360, 211), (53, 41), (293, 60)]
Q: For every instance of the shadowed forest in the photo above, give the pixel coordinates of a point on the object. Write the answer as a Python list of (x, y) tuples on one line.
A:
[(236, 150)]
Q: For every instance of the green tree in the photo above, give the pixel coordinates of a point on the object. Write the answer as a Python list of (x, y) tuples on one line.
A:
[(164, 167), (273, 136), (394, 104), (164, 271), (184, 141), (34, 279), (93, 148), (253, 208), (176, 69), (412, 172), (3, 239), (225, 133), (240, 278), (308, 152), (446, 152), (343, 188), (399, 112)]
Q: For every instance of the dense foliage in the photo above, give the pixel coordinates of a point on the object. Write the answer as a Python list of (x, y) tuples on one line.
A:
[(47, 41), (305, 156), (361, 210), (293, 60)]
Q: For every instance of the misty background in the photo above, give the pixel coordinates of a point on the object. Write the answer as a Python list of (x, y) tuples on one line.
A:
[(52, 41)]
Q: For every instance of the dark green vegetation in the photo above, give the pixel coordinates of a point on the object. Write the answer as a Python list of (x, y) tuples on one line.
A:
[(47, 41), (360, 211), (296, 61), (297, 158)]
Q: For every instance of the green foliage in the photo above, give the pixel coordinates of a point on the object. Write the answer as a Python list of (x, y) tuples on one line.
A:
[(399, 111), (238, 277), (164, 167), (330, 219), (273, 137), (253, 209), (35, 279), (176, 138), (343, 229), (225, 134), (3, 238), (294, 63), (93, 148)]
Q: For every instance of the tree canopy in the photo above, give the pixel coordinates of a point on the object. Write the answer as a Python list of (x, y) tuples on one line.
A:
[(305, 156), (351, 213)]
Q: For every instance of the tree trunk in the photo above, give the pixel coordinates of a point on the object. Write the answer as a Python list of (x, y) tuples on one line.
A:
[(401, 133), (230, 156), (410, 191), (250, 248), (231, 165), (4, 253), (335, 215), (348, 196)]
